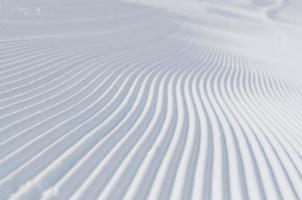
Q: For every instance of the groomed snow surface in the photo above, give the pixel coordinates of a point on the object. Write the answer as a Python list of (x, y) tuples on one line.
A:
[(150, 99)]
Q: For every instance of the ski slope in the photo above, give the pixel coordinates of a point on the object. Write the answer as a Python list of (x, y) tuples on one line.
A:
[(149, 99)]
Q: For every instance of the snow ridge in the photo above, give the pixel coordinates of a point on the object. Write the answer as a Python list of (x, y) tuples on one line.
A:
[(149, 100)]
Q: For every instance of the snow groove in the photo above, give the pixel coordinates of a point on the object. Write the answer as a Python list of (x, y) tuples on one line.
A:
[(144, 104)]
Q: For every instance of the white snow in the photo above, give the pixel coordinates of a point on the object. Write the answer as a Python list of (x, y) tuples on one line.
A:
[(149, 99)]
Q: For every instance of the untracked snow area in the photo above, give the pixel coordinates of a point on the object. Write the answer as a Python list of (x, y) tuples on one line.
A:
[(151, 99)]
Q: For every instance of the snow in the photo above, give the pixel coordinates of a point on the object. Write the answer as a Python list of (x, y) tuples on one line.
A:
[(148, 99)]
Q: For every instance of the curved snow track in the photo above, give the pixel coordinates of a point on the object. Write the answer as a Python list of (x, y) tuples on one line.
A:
[(147, 102)]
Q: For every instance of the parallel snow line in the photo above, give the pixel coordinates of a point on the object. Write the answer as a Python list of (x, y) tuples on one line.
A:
[(86, 91), (20, 96), (270, 130), (77, 70), (159, 144), (150, 139), (144, 105)]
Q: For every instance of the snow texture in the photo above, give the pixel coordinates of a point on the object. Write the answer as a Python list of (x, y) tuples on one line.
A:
[(151, 99)]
